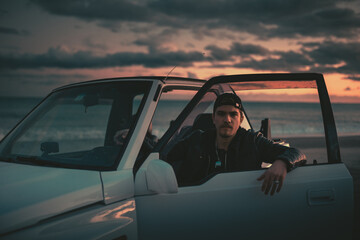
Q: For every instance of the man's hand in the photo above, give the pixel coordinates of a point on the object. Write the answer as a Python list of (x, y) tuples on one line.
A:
[(273, 177)]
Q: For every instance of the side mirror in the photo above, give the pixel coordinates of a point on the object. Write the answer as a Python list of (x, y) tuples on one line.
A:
[(265, 128), (155, 176)]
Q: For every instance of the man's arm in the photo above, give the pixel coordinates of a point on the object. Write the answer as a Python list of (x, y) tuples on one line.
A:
[(269, 152), (283, 159)]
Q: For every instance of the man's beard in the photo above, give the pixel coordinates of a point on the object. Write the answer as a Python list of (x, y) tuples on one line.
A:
[(225, 134)]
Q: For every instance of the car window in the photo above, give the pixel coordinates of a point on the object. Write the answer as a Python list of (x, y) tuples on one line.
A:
[(295, 121), (78, 127), (170, 104)]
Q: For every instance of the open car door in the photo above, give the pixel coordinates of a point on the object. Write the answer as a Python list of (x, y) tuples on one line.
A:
[(315, 202)]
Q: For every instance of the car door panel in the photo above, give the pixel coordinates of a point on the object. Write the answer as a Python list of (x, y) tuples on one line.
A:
[(315, 199)]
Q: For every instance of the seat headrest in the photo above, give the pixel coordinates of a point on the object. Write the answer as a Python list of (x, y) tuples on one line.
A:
[(203, 122)]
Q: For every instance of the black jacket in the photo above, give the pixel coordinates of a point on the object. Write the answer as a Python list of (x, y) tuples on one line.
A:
[(193, 158)]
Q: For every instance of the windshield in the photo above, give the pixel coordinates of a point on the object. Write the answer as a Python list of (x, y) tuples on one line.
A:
[(80, 127)]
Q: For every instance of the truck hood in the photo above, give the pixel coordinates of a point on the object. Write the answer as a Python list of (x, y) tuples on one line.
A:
[(33, 193)]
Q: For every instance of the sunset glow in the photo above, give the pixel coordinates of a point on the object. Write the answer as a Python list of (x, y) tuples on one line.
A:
[(47, 44)]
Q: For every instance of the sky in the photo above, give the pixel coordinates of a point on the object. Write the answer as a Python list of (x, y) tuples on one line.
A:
[(46, 44)]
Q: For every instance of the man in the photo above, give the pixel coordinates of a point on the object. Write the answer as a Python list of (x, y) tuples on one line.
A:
[(229, 147)]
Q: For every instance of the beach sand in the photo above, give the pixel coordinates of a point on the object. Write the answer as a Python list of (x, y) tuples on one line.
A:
[(314, 147)]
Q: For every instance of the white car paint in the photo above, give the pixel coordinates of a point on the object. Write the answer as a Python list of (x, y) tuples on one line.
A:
[(32, 193)]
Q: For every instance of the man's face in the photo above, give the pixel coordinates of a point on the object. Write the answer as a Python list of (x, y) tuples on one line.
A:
[(227, 120)]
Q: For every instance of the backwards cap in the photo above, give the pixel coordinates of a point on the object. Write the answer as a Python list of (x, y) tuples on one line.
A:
[(228, 99)]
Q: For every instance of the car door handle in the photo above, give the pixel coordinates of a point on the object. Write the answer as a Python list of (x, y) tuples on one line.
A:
[(321, 197)]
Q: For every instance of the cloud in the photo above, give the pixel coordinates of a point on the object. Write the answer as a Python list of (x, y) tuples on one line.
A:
[(13, 31), (219, 54), (280, 18), (236, 50), (59, 58), (270, 60), (287, 62), (331, 21), (3, 12), (41, 79), (94, 45), (354, 78), (35, 83), (192, 75), (325, 57), (345, 55), (347, 89), (97, 10), (154, 41)]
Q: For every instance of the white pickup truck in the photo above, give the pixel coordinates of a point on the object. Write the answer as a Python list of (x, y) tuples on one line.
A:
[(89, 162)]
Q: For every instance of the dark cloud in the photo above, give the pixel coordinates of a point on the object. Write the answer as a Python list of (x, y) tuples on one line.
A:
[(192, 75), (97, 10), (271, 61), (236, 50), (325, 57), (354, 78), (41, 79), (239, 49), (9, 47), (94, 45), (13, 31), (265, 19), (218, 54), (58, 58), (347, 89), (346, 55), (342, 23), (154, 42), (3, 12), (287, 61), (279, 18)]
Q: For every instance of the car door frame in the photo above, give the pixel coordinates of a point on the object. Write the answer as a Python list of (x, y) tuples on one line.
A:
[(332, 143), (327, 182)]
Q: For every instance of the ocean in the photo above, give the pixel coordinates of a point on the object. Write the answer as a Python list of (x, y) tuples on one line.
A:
[(299, 118)]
